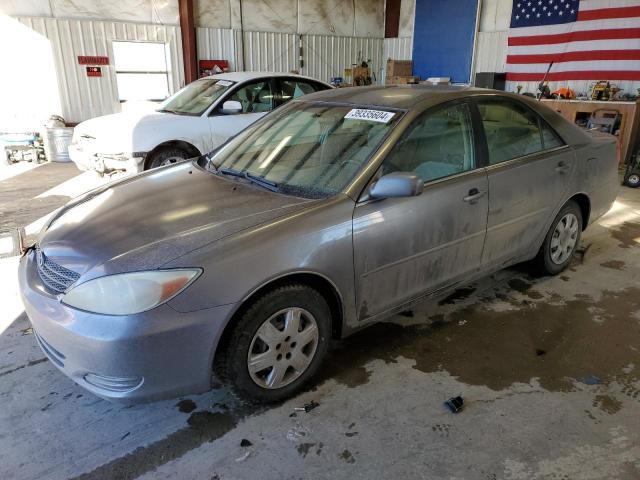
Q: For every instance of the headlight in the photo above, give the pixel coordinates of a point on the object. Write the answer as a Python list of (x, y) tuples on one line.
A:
[(129, 293)]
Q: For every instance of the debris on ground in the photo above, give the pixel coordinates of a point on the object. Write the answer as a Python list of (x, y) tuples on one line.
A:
[(186, 405), (455, 404), (307, 407), (245, 443), (242, 458), (297, 433), (592, 380), (581, 253)]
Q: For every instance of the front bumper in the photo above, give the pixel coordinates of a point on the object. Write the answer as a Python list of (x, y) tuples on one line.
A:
[(103, 163), (157, 354)]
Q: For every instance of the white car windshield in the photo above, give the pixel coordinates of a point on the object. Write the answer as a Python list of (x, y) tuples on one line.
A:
[(196, 97), (306, 149)]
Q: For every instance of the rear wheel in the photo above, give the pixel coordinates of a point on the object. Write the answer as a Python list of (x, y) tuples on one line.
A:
[(167, 156), (562, 239), (278, 344), (632, 180)]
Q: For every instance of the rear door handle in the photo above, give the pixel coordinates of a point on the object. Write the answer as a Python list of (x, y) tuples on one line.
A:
[(473, 195), (562, 167)]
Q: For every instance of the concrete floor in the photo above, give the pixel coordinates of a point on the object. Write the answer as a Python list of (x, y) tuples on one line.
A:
[(549, 369)]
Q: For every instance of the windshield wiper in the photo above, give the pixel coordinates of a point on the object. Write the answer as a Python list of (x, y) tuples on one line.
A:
[(175, 112), (255, 179)]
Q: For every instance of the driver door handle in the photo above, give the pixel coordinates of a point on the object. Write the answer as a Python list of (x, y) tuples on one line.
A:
[(473, 195)]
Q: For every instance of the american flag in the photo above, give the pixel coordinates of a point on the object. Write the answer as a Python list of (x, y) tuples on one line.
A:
[(586, 40)]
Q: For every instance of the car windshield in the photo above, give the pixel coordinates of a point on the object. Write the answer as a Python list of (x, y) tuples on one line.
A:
[(196, 97), (306, 149)]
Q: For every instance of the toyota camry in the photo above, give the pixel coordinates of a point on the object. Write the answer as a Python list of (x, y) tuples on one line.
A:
[(333, 212)]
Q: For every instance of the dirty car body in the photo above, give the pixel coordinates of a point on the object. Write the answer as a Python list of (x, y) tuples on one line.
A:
[(489, 173)]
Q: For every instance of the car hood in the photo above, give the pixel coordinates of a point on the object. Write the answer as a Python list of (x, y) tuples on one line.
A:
[(145, 221), (119, 132)]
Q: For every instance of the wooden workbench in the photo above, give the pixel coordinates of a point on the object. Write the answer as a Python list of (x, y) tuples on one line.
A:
[(629, 124)]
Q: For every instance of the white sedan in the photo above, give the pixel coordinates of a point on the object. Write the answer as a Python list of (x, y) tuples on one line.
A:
[(191, 122)]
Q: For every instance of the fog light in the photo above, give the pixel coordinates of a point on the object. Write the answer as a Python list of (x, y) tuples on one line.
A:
[(113, 384)]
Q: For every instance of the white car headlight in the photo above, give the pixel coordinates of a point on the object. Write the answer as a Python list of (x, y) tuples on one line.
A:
[(129, 293)]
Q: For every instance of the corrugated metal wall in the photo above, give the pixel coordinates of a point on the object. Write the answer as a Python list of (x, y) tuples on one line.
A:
[(324, 56), (491, 51), (83, 97), (400, 48), (327, 56), (219, 44), (270, 51)]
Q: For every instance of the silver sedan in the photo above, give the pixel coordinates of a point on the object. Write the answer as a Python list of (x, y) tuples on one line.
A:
[(331, 213)]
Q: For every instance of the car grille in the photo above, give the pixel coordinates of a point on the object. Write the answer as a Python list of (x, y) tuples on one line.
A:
[(54, 276)]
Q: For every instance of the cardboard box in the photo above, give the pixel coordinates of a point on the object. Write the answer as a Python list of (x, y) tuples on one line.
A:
[(401, 80), (361, 72), (399, 68)]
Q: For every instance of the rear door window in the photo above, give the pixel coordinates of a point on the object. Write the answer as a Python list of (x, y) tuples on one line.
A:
[(290, 88), (512, 130), (550, 139)]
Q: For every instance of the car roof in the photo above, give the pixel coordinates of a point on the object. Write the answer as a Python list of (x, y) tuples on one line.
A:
[(410, 97), (393, 96), (244, 76)]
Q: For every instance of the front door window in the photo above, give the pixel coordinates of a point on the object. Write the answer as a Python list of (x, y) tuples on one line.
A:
[(255, 97), (440, 144)]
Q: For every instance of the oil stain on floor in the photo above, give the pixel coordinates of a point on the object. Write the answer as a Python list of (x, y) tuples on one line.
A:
[(202, 427), (628, 234), (473, 343), (613, 264)]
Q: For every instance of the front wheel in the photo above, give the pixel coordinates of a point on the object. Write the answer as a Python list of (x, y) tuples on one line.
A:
[(278, 344), (166, 156), (562, 239)]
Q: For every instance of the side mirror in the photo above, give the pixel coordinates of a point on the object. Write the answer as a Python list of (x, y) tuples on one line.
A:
[(397, 184), (231, 107)]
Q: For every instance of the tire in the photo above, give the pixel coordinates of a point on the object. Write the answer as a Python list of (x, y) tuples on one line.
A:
[(562, 240), (632, 180), (247, 340), (166, 156)]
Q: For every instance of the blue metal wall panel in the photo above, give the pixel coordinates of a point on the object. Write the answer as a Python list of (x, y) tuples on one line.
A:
[(443, 38)]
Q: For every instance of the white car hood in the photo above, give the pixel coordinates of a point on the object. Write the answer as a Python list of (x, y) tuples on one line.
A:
[(126, 132)]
